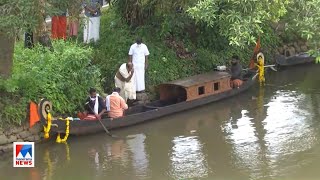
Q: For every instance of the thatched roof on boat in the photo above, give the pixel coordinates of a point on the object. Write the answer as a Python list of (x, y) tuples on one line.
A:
[(199, 79)]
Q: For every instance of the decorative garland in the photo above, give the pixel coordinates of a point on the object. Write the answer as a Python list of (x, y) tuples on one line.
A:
[(47, 129), (59, 140)]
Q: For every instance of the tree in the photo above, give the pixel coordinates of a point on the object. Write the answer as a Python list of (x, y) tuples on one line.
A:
[(14, 16), (239, 21), (303, 17), (18, 16)]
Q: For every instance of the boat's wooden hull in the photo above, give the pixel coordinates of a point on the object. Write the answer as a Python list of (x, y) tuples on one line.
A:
[(294, 60), (146, 113)]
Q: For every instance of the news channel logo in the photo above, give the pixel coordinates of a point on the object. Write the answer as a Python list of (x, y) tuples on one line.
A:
[(23, 154)]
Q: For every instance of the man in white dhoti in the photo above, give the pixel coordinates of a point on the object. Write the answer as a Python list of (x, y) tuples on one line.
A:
[(92, 25), (138, 55), (123, 80)]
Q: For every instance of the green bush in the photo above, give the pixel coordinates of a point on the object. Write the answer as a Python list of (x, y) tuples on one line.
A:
[(63, 76)]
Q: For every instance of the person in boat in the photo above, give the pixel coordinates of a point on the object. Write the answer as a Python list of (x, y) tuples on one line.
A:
[(115, 104), (124, 80), (138, 55), (236, 72), (95, 105)]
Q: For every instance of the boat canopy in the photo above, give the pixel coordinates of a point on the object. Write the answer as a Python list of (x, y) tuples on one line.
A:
[(195, 87)]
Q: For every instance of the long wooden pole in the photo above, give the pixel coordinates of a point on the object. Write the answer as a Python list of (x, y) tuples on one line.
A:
[(104, 127)]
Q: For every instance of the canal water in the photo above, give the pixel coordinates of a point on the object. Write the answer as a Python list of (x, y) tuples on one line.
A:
[(265, 133)]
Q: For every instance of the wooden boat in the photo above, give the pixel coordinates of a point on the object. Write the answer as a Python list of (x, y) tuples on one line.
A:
[(302, 58), (175, 96)]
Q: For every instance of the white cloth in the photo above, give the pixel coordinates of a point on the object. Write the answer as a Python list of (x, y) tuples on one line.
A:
[(138, 53), (128, 90), (139, 76), (96, 104), (108, 102), (91, 29)]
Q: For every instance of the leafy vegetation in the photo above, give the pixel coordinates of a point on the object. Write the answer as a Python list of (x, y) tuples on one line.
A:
[(184, 37), (242, 21), (303, 17), (63, 76), (239, 21)]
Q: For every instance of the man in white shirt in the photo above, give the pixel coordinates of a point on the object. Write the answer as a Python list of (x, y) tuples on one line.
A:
[(138, 55)]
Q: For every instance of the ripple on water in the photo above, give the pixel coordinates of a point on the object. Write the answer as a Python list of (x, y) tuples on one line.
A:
[(187, 158)]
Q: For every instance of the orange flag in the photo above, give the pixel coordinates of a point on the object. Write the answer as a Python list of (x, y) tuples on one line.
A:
[(255, 52), (34, 115)]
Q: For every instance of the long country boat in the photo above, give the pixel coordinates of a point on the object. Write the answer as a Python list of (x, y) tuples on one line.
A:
[(175, 96), (302, 58)]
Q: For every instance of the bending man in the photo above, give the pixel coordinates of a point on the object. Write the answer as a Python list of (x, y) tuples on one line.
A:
[(123, 80)]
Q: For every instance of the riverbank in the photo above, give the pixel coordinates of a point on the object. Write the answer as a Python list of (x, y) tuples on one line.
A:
[(177, 51), (19, 134)]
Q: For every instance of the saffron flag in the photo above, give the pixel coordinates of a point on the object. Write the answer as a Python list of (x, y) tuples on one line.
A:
[(34, 115), (255, 52)]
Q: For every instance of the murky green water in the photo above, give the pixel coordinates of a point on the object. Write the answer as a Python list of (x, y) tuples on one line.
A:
[(265, 133)]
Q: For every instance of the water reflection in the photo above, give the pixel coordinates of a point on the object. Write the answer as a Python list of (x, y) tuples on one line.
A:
[(187, 159), (140, 161), (246, 133)]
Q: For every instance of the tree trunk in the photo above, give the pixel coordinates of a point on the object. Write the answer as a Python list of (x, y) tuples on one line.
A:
[(41, 33), (6, 54)]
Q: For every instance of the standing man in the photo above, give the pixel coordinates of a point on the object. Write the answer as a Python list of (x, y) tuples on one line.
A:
[(138, 55), (92, 26), (123, 80)]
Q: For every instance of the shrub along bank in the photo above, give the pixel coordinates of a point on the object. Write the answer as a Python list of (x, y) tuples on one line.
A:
[(63, 76)]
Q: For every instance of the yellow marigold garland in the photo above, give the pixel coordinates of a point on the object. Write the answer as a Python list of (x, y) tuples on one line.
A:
[(47, 129), (59, 140)]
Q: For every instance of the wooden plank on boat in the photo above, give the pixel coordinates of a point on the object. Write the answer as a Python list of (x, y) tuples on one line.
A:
[(200, 79), (195, 87)]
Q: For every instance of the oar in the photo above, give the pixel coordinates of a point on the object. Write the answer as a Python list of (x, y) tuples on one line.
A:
[(104, 127), (254, 77), (266, 66), (271, 67)]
